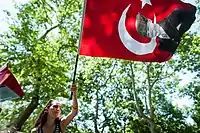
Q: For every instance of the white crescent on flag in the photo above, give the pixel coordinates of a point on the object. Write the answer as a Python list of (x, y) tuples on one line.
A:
[(130, 43)]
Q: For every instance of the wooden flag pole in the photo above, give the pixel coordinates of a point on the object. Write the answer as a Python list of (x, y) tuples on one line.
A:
[(80, 38)]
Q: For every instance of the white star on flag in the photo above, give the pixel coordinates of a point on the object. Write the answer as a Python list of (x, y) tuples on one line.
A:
[(144, 2)]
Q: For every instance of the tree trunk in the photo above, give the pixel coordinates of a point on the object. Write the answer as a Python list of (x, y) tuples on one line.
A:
[(96, 113), (152, 127), (17, 124)]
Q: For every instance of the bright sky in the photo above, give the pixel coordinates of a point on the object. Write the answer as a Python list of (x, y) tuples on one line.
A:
[(9, 5)]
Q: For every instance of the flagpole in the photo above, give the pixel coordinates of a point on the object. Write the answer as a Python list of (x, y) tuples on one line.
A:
[(80, 38)]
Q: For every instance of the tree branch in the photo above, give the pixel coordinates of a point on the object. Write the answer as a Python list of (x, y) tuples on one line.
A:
[(49, 30), (97, 100), (150, 87), (107, 115), (145, 98), (109, 77), (157, 77), (96, 112), (141, 114), (149, 92)]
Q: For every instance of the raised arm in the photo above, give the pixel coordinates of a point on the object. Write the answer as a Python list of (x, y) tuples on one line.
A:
[(67, 119)]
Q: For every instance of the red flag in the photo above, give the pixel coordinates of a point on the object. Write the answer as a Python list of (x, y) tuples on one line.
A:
[(113, 28), (9, 86)]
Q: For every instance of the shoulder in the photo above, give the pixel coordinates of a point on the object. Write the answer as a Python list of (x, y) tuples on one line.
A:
[(34, 130)]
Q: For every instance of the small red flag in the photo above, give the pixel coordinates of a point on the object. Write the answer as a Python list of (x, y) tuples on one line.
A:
[(140, 30), (9, 87)]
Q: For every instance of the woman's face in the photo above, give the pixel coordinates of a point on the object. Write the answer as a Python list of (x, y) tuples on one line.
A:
[(55, 109)]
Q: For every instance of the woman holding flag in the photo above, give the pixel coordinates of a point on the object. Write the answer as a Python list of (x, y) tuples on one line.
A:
[(50, 120)]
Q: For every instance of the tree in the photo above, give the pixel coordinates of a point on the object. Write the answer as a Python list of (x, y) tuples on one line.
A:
[(36, 48), (114, 95)]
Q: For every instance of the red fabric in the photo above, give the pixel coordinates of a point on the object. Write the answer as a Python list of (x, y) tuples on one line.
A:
[(100, 36), (8, 79)]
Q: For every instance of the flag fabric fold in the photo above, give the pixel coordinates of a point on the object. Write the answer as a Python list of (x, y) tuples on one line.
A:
[(9, 87)]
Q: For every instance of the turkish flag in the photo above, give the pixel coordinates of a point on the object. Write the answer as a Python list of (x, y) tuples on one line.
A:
[(109, 28), (9, 87)]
